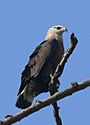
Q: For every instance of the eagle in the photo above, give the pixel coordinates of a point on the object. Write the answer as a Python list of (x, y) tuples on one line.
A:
[(42, 63)]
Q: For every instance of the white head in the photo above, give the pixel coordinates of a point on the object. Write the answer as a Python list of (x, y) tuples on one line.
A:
[(55, 32)]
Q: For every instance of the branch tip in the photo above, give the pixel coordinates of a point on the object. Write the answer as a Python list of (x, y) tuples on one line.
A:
[(74, 39)]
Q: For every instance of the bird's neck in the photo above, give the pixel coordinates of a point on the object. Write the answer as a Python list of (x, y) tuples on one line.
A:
[(58, 37)]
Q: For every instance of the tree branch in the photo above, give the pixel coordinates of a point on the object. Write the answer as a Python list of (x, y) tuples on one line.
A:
[(58, 73), (75, 87), (66, 55)]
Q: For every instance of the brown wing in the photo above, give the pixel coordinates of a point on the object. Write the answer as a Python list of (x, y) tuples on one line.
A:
[(37, 60)]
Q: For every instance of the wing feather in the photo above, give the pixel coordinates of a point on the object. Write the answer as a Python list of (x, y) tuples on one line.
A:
[(37, 60)]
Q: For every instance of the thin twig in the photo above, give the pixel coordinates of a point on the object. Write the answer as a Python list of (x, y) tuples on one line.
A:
[(39, 105)]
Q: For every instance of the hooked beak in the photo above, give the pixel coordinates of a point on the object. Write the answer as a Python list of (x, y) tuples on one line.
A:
[(65, 29)]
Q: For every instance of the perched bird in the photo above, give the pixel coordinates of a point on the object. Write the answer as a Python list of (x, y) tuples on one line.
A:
[(42, 63)]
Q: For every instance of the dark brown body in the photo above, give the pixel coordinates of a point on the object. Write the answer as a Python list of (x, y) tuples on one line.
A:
[(42, 63)]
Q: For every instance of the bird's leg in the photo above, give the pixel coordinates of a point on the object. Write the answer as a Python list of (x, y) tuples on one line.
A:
[(51, 82), (54, 83)]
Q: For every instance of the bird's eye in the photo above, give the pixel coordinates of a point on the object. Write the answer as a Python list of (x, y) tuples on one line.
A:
[(58, 28)]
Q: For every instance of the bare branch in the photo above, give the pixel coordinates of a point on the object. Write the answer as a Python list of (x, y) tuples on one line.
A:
[(66, 55), (58, 73), (39, 105)]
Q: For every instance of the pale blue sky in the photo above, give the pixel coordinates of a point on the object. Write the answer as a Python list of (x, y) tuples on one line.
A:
[(23, 25)]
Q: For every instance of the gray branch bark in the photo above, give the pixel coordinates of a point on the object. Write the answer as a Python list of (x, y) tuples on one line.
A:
[(75, 87)]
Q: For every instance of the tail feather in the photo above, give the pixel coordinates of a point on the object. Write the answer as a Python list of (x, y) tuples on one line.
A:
[(25, 98), (22, 103)]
